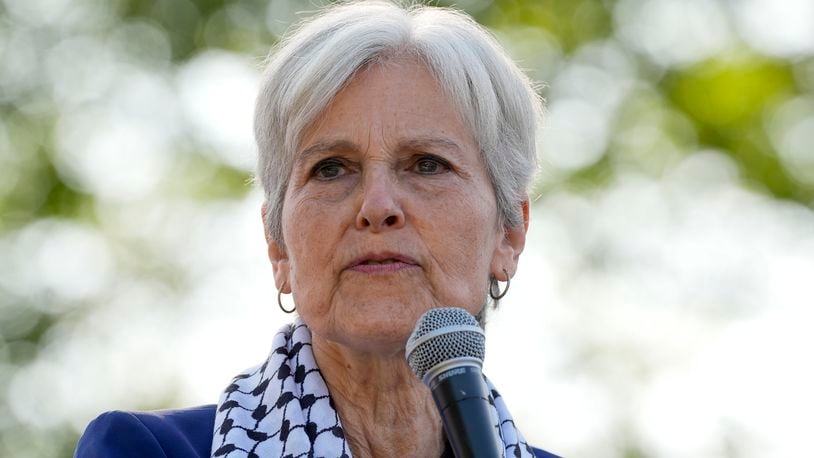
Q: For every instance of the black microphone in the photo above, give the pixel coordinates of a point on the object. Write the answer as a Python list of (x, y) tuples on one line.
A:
[(446, 352)]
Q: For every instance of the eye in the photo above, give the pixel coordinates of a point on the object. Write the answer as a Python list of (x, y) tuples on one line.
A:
[(328, 169), (430, 165)]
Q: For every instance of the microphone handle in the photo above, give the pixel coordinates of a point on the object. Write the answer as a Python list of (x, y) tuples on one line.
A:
[(462, 399)]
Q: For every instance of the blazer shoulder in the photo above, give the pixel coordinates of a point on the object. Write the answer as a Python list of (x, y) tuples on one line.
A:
[(540, 453), (117, 434), (165, 433)]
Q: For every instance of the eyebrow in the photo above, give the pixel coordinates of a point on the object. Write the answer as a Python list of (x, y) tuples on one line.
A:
[(430, 143), (415, 144), (321, 147)]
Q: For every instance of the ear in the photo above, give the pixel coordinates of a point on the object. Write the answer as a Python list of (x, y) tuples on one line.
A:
[(277, 256), (507, 252)]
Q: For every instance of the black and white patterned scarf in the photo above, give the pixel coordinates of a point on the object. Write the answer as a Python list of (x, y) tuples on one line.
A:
[(282, 408)]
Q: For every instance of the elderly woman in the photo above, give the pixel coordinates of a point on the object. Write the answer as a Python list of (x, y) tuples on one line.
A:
[(396, 147)]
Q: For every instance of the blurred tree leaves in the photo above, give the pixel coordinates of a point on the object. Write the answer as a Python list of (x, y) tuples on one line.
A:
[(573, 22), (727, 100), (730, 92)]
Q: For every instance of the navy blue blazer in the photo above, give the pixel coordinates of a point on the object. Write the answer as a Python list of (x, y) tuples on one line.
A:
[(183, 433)]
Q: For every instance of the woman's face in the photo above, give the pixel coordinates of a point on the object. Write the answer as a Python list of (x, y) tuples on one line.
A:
[(389, 212)]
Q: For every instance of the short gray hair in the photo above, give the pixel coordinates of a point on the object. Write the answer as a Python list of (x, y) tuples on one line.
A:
[(318, 58)]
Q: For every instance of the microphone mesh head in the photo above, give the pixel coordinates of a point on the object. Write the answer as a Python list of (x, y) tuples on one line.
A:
[(455, 334)]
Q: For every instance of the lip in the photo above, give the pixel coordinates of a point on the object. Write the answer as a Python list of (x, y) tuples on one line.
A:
[(400, 262)]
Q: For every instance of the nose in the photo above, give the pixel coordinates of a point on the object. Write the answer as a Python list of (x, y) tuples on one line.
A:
[(381, 209)]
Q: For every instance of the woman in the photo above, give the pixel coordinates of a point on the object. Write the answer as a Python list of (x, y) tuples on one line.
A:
[(395, 149)]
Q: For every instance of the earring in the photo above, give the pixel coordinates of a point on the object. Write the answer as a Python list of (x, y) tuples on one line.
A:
[(493, 286), (280, 302)]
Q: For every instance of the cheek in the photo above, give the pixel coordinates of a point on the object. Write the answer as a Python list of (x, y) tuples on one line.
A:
[(312, 233), (460, 231)]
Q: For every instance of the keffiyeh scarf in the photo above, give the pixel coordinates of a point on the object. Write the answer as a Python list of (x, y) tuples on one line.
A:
[(282, 408)]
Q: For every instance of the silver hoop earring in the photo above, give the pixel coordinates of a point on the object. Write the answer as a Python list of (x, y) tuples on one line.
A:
[(493, 286), (280, 302)]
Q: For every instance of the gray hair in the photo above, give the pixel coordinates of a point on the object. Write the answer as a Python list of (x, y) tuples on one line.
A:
[(317, 59)]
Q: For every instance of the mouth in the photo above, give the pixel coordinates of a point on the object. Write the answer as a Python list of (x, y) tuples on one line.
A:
[(382, 263)]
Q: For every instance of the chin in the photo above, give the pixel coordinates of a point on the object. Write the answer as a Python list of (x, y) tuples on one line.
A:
[(377, 328)]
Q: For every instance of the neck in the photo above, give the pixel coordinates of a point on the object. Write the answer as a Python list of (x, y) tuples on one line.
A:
[(385, 410)]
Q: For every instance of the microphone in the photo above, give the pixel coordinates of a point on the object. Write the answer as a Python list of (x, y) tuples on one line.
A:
[(446, 352)]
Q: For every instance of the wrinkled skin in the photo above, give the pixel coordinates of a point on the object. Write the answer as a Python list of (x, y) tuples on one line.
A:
[(394, 171)]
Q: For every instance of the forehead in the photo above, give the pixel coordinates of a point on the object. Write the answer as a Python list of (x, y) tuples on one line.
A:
[(396, 102)]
